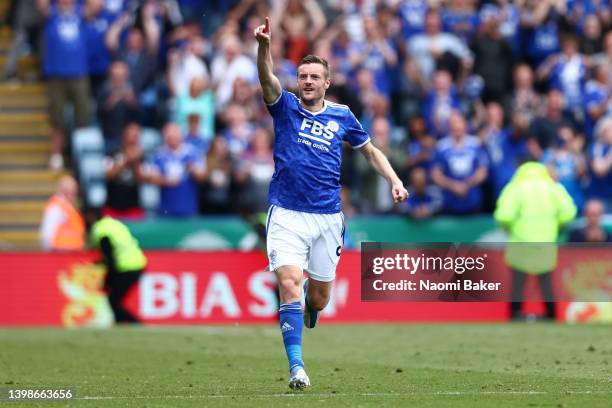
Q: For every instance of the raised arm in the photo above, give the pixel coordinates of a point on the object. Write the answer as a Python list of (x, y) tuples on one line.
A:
[(270, 84), (380, 163)]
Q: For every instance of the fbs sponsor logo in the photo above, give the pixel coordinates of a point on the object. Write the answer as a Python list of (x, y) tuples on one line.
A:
[(286, 327), (315, 128)]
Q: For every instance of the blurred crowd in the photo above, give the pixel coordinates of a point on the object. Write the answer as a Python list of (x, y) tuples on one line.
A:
[(457, 93)]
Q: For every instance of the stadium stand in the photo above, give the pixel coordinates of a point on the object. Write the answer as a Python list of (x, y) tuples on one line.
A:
[(382, 68)]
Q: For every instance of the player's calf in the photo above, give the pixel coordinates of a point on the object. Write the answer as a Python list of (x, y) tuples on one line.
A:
[(315, 300)]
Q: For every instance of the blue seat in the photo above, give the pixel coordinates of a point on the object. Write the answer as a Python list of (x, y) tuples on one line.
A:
[(87, 140)]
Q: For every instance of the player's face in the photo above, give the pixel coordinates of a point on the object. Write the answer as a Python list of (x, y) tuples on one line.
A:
[(312, 82)]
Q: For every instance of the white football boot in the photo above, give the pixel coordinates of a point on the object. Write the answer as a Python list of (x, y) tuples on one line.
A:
[(299, 380)]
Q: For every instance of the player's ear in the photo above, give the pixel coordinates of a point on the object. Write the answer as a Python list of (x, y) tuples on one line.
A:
[(327, 83)]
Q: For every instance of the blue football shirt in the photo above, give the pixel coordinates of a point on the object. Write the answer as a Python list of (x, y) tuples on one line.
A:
[(308, 153), (180, 200), (65, 47)]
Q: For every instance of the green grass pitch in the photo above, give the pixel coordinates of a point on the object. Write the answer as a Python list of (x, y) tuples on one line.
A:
[(479, 365)]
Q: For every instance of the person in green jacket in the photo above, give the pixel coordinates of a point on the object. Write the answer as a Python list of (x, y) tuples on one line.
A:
[(533, 208), (124, 261)]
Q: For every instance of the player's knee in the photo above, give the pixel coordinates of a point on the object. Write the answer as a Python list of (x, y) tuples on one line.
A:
[(289, 287)]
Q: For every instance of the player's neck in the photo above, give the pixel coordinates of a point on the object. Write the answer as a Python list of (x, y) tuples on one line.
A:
[(315, 106)]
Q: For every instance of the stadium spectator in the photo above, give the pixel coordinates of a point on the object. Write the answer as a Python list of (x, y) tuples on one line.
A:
[(591, 37), (533, 208), (216, 195), (177, 170), (185, 64), (601, 164), (254, 172), (375, 54), (567, 73), (544, 128), (365, 89), (461, 18), (526, 102), (567, 164), (493, 59), (604, 57), (460, 169), (117, 105), (411, 86), (425, 199), (540, 24), (239, 130), (26, 27), (140, 54), (421, 147), (435, 49), (507, 149), (592, 231), (284, 68), (439, 104), (374, 189), (193, 136), (245, 95), (596, 99), (501, 149), (301, 21), (124, 261), (62, 227), (124, 174), (65, 67), (508, 15), (228, 65), (199, 99), (98, 55), (412, 13)]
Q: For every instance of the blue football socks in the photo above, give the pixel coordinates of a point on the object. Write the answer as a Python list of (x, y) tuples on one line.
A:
[(291, 322)]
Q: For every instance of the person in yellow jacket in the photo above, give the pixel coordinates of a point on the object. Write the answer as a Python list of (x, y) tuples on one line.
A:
[(533, 208), (124, 261), (62, 227)]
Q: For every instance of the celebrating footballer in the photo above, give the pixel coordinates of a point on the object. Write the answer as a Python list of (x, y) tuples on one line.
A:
[(305, 225)]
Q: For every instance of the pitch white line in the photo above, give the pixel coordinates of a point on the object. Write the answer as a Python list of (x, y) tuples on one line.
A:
[(331, 394)]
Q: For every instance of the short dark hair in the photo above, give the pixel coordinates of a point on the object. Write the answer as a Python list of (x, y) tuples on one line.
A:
[(315, 59)]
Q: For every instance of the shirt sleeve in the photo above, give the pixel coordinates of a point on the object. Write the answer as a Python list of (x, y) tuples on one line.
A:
[(355, 135), (279, 106), (482, 158)]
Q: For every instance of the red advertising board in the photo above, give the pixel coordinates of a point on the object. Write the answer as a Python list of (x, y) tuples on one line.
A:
[(194, 288)]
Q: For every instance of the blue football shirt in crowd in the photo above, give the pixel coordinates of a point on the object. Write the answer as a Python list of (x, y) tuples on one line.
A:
[(595, 94), (98, 56), (180, 200), (505, 154), (308, 153), (65, 48), (569, 77), (601, 187), (460, 162), (543, 41), (566, 168), (413, 13)]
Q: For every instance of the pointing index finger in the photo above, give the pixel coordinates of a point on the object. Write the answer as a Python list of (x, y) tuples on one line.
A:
[(267, 26)]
